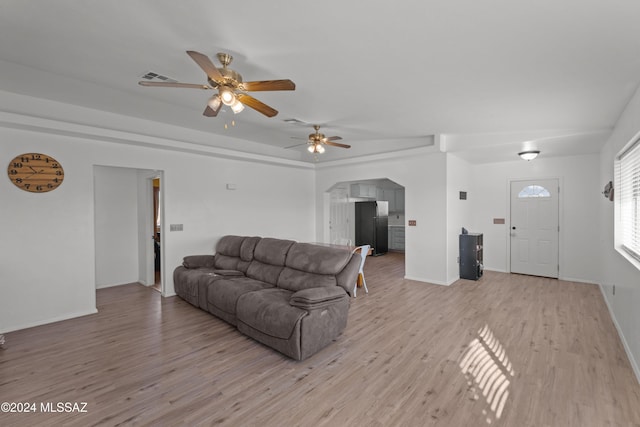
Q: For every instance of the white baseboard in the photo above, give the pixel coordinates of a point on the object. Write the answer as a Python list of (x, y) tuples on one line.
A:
[(572, 279), (422, 279), (50, 320), (627, 349)]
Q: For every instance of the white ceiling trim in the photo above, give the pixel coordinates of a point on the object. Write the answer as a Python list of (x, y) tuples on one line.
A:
[(57, 127)]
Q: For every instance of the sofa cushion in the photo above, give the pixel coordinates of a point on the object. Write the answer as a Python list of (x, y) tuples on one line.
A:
[(230, 245), (317, 259), (226, 262), (223, 293), (272, 251), (246, 253), (186, 282), (248, 247), (264, 272), (228, 252), (269, 257), (269, 312)]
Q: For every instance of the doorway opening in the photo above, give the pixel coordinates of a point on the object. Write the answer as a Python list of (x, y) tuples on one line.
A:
[(157, 226), (343, 225), (128, 209)]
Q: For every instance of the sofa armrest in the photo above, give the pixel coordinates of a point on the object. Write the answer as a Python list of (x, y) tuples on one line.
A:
[(198, 261), (315, 298)]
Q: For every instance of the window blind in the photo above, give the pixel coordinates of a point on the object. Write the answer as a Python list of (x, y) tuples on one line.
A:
[(628, 170)]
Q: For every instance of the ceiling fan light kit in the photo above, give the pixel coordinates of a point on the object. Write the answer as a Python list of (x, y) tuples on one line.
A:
[(316, 148), (316, 142), (529, 154), (231, 89)]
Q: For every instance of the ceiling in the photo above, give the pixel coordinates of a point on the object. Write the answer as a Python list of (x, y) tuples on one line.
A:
[(490, 77)]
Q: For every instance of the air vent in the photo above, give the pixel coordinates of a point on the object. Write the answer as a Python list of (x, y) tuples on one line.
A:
[(155, 77), (295, 122)]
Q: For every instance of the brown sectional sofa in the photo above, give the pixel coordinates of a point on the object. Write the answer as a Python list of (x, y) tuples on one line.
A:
[(293, 297)]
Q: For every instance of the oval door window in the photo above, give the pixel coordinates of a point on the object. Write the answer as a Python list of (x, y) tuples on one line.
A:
[(533, 191)]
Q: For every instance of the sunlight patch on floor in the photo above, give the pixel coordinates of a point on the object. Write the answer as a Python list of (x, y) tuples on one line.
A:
[(485, 364)]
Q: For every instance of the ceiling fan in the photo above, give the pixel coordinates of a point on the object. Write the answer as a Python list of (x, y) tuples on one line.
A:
[(231, 88), (317, 141)]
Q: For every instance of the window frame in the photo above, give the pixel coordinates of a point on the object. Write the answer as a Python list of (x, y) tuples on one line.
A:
[(627, 205), (541, 193)]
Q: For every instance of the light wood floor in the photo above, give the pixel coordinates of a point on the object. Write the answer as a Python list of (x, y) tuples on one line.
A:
[(545, 352)]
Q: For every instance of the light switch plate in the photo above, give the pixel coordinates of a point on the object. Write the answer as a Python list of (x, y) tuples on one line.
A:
[(175, 227), (412, 223)]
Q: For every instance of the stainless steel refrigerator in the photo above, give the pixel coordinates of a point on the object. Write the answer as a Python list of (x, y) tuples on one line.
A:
[(372, 222)]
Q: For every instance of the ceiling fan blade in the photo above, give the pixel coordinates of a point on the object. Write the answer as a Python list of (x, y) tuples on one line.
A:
[(210, 112), (297, 145), (297, 137), (260, 107), (207, 66), (265, 85), (174, 84), (333, 138), (336, 144)]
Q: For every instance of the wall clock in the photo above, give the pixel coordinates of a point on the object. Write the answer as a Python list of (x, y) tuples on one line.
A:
[(35, 172)]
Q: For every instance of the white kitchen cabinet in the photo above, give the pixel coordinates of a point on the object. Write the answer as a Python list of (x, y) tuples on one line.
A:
[(396, 238), (367, 191), (399, 200), (395, 197), (390, 196)]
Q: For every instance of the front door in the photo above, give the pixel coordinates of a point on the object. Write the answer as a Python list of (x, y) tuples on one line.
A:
[(534, 227)]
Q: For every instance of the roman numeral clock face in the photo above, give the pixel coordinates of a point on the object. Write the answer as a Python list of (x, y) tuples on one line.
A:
[(35, 172)]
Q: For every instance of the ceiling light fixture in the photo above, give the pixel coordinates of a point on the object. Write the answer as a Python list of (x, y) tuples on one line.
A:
[(237, 106), (227, 96), (316, 148), (529, 154), (214, 102)]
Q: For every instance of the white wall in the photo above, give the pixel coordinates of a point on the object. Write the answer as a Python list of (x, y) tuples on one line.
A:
[(615, 269), (459, 212), (423, 175), (116, 226), (47, 258), (579, 203)]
